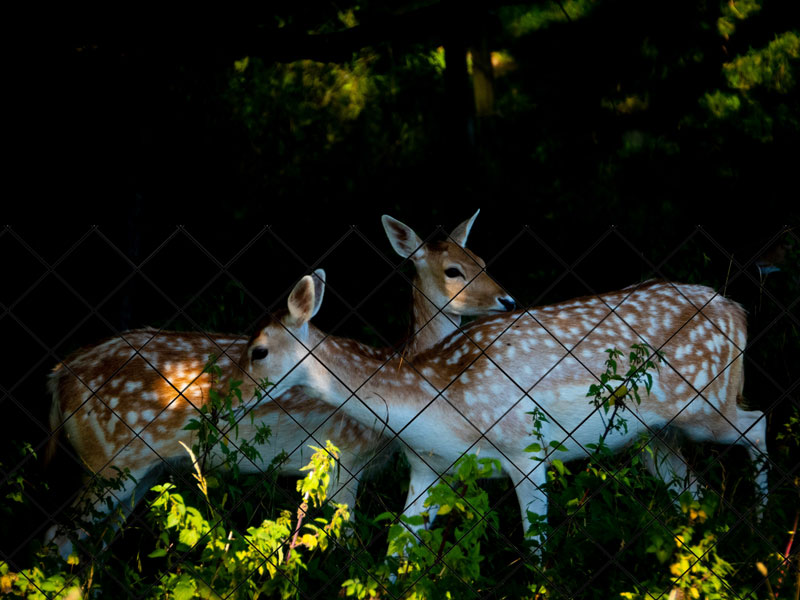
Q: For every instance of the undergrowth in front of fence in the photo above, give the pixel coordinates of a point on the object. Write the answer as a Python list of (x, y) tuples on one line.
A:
[(611, 531)]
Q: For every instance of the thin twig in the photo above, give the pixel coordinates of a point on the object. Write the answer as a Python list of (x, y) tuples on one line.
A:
[(788, 550), (300, 514)]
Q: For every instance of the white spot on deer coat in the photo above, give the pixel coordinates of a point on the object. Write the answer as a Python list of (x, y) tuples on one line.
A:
[(701, 380), (682, 351), (527, 369)]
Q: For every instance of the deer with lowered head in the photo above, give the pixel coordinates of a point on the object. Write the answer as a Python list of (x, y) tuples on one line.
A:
[(123, 403)]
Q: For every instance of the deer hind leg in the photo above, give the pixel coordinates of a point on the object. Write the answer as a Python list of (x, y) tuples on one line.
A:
[(667, 463), (101, 505), (750, 430)]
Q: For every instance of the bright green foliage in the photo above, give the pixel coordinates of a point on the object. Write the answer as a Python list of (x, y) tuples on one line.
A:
[(614, 388), (217, 562), (199, 556), (217, 426), (445, 559), (34, 584)]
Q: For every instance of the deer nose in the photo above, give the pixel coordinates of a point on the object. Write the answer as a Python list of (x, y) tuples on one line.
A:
[(508, 303)]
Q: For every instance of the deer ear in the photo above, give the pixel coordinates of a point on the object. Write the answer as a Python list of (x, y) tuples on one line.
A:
[(461, 233), (319, 289), (304, 301), (403, 239)]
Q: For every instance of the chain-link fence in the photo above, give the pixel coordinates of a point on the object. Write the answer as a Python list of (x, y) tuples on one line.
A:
[(577, 439)]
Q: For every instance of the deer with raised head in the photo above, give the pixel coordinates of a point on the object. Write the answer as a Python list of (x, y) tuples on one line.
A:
[(123, 403), (474, 392)]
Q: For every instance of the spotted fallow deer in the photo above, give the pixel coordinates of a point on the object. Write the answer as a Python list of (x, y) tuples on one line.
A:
[(474, 391), (123, 403)]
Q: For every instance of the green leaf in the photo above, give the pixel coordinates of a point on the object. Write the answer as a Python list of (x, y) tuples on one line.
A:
[(185, 588)]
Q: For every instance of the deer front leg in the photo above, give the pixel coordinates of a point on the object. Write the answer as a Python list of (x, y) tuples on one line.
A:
[(530, 493), (422, 478)]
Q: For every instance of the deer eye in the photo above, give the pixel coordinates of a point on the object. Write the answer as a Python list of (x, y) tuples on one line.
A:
[(259, 353), (453, 272)]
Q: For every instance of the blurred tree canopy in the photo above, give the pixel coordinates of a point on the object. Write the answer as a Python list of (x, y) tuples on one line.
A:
[(577, 110)]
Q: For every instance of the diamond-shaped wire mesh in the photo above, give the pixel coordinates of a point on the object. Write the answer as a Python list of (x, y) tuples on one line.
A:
[(576, 395)]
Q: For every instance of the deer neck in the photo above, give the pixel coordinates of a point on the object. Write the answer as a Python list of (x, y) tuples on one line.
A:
[(360, 380), (430, 325)]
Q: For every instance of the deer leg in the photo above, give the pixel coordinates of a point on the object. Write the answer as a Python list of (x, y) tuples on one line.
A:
[(530, 493), (102, 503), (422, 478), (749, 429), (666, 463), (751, 426), (756, 442)]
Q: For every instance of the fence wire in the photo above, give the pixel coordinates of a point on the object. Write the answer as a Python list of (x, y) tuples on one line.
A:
[(524, 556)]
